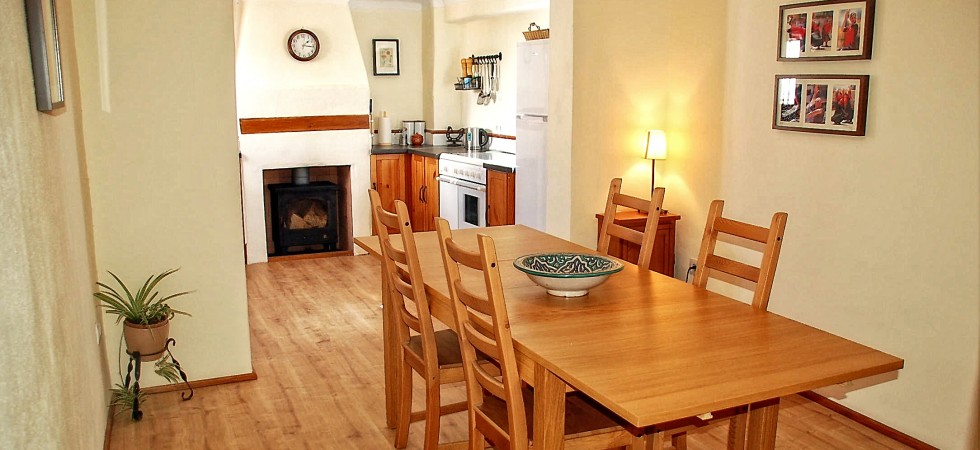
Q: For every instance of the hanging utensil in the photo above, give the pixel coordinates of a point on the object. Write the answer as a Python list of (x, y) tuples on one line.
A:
[(485, 93), (493, 81), (484, 86)]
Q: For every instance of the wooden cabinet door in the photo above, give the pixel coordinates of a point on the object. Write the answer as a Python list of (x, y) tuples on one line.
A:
[(388, 178), (430, 195), (500, 198), (416, 202), (423, 201)]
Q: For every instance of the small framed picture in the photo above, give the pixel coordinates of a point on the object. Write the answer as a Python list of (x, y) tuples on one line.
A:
[(833, 104), (386, 57), (42, 32), (826, 30)]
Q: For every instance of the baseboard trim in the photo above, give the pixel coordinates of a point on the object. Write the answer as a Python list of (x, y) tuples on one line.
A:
[(866, 421), (251, 376)]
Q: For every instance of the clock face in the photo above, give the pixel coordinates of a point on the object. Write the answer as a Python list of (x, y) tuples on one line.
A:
[(303, 45)]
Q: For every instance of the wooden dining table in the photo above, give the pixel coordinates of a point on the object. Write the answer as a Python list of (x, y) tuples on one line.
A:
[(650, 348)]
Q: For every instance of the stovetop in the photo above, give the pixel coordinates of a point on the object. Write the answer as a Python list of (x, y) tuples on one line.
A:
[(478, 158)]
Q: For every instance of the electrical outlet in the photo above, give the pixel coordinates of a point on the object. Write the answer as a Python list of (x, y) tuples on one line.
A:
[(692, 263)]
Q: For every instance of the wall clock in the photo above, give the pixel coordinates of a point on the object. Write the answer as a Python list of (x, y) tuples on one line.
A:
[(303, 45)]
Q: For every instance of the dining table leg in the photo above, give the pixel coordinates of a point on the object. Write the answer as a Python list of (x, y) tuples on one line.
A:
[(761, 426), (390, 345), (549, 409), (736, 428)]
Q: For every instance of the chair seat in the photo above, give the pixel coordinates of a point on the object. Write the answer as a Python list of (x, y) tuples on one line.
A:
[(582, 415), (447, 345)]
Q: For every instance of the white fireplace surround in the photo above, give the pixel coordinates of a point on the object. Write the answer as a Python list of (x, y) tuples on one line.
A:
[(305, 149), (270, 83)]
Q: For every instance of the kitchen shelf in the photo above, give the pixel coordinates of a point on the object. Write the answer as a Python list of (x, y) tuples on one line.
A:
[(475, 84)]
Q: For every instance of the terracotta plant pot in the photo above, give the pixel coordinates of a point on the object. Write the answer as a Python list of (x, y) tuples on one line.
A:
[(149, 340)]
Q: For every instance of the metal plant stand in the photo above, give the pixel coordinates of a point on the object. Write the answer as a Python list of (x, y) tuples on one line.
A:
[(133, 376)]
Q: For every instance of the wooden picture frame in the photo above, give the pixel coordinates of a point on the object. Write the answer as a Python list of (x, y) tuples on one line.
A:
[(386, 57), (831, 104), (826, 30), (42, 33)]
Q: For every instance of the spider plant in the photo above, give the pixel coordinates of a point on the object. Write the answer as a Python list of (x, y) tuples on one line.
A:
[(145, 307), (123, 398)]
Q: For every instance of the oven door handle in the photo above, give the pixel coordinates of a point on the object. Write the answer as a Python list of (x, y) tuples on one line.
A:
[(462, 183)]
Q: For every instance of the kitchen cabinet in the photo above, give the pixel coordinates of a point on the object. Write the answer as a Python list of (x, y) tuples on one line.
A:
[(388, 177), (663, 247), (500, 198), (424, 199)]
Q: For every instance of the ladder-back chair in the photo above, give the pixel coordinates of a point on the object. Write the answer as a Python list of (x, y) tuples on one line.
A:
[(433, 354), (610, 229), (500, 407), (762, 275)]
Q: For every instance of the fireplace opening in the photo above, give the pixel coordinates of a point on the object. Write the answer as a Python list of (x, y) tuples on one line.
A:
[(308, 210)]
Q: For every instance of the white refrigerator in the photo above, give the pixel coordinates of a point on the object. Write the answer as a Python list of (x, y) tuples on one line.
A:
[(532, 133)]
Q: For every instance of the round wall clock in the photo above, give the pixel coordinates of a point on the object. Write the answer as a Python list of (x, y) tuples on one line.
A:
[(303, 45)]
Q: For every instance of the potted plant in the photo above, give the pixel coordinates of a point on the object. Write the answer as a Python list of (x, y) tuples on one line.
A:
[(146, 313)]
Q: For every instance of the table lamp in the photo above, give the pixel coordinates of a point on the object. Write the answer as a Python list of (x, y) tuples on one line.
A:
[(656, 149)]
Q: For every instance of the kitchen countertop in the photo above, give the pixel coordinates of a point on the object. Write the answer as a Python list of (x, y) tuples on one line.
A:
[(432, 151), (426, 150)]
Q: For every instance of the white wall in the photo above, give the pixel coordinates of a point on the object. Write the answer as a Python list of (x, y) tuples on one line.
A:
[(400, 96), (52, 367), (882, 239), (270, 83), (488, 36), (561, 109), (162, 159)]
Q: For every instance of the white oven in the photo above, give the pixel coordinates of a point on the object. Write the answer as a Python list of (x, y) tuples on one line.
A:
[(462, 203), (463, 186)]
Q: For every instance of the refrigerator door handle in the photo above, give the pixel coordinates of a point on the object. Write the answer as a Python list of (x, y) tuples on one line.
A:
[(542, 117)]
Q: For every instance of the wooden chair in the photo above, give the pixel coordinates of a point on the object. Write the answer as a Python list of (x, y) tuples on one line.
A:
[(500, 408), (610, 229), (762, 276), (433, 354)]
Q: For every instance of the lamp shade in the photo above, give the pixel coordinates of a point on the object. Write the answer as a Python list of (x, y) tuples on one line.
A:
[(656, 145)]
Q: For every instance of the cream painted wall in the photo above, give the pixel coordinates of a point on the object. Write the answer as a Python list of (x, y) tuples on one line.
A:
[(487, 36), (874, 221), (443, 47), (620, 91), (162, 161), (882, 239), (561, 111), (400, 96), (53, 371)]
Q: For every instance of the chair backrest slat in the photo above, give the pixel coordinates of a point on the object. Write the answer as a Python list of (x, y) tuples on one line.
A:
[(732, 267), (771, 238), (628, 234), (610, 229), (742, 229), (629, 201), (491, 337)]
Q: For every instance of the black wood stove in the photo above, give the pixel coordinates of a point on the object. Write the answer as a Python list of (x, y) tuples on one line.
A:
[(305, 216)]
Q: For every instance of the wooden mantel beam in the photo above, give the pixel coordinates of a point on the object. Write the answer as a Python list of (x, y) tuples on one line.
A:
[(303, 123)]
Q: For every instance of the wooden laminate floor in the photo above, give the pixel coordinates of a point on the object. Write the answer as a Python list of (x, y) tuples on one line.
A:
[(316, 348)]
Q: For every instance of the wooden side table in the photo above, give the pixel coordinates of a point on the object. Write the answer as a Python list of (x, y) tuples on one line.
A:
[(663, 248)]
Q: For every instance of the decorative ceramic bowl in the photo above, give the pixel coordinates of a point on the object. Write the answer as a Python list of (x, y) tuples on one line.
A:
[(567, 274)]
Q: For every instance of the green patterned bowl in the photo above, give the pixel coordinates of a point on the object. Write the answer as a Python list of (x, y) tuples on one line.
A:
[(567, 274)]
